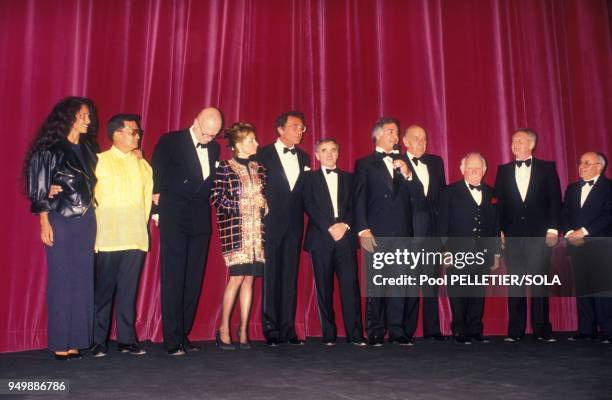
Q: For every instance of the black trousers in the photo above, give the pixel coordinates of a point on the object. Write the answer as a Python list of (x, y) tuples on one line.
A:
[(431, 317), (280, 286), (117, 275), (338, 258), (527, 256), (183, 262), (594, 311), (381, 309), (467, 315)]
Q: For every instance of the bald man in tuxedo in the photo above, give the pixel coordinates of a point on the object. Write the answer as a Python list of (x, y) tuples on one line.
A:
[(587, 221)]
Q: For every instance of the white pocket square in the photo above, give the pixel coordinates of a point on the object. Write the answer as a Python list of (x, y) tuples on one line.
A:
[(306, 168), (216, 164)]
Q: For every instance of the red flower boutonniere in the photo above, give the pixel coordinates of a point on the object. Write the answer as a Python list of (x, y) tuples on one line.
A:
[(493, 200)]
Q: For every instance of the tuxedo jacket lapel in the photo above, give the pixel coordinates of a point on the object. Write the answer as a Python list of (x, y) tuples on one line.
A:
[(382, 167), (191, 155)]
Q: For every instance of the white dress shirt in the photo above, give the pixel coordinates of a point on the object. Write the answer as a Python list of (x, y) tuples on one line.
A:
[(332, 185), (290, 163), (586, 189), (202, 155), (476, 194), (388, 160), (422, 172), (522, 175)]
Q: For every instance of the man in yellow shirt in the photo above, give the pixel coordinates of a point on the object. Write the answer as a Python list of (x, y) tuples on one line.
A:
[(123, 195)]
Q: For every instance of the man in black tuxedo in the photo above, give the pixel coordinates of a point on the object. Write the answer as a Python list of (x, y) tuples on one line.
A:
[(285, 165), (530, 207), (429, 180), (468, 217), (382, 208), (587, 221), (183, 174), (332, 243)]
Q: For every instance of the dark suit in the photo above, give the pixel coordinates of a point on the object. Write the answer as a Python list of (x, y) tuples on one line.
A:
[(521, 221), (595, 215), (284, 231), (184, 228), (424, 219), (382, 204), (470, 227), (329, 256)]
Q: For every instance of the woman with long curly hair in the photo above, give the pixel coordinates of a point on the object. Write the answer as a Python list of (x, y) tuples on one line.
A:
[(63, 154)]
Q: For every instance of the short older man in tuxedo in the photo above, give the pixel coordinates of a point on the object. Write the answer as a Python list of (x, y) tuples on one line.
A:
[(183, 174), (382, 208), (332, 243), (530, 207), (468, 217), (587, 221), (285, 165), (429, 180)]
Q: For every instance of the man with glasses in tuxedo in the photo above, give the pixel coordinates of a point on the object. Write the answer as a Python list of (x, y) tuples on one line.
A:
[(183, 175)]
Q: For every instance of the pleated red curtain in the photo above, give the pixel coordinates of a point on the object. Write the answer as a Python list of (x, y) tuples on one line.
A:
[(469, 71)]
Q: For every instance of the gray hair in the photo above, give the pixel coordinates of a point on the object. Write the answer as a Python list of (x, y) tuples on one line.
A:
[(473, 154), (530, 134), (602, 160), (378, 126)]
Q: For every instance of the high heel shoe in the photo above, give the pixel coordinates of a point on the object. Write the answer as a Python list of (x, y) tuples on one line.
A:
[(243, 346), (221, 344)]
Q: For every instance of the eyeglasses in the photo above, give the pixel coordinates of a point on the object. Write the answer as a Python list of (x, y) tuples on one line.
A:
[(132, 132), (203, 132), (586, 163), (298, 127)]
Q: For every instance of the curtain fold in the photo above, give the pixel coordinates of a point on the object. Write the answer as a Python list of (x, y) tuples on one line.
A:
[(469, 71)]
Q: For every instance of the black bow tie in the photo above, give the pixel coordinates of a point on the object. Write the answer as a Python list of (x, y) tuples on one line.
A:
[(591, 182), (382, 154), (415, 160), (202, 145), (329, 171), (472, 187), (520, 163), (288, 150)]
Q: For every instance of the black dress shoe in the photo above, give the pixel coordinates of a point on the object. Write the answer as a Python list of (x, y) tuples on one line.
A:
[(132, 348), (329, 343), (375, 341), (402, 341), (462, 339), (75, 356), (480, 339), (176, 350), (61, 357), (547, 338), (98, 350), (190, 346), (438, 336), (295, 342), (513, 339), (606, 339), (358, 343), (581, 337), (272, 342)]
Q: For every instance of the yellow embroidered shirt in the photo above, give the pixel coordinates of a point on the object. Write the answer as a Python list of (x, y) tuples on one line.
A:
[(123, 195)]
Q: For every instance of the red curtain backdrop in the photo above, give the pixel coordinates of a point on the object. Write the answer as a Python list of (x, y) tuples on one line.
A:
[(469, 71)]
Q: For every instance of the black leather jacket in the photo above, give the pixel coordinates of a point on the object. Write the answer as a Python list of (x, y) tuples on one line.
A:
[(60, 165)]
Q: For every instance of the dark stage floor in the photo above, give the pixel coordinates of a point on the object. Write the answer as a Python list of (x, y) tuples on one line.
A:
[(428, 370)]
